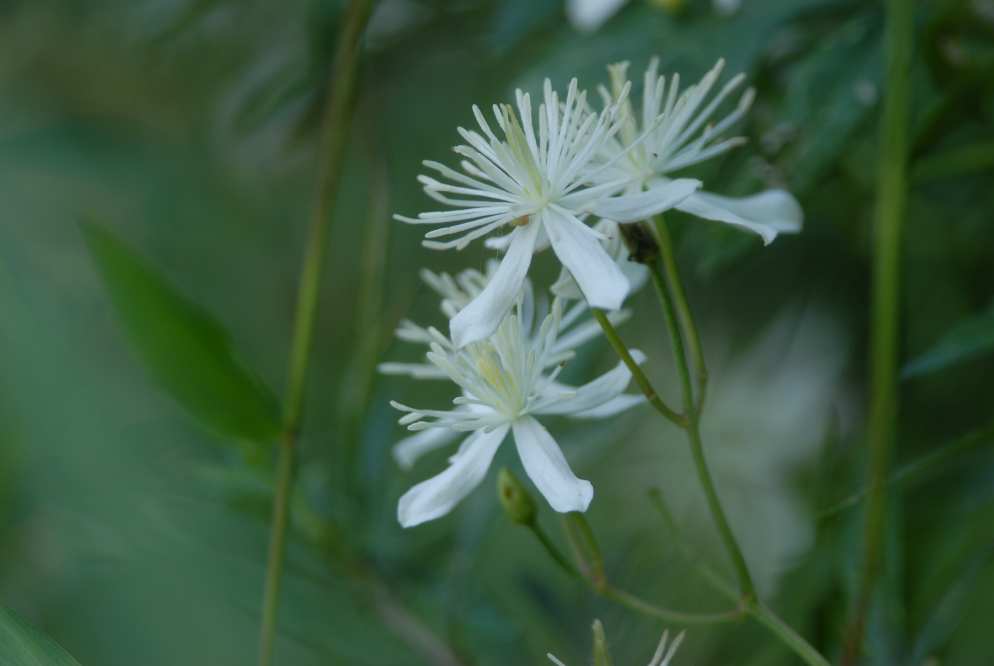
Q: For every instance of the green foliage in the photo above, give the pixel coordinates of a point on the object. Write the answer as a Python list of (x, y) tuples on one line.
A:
[(968, 339), (185, 349), (23, 645), (195, 120)]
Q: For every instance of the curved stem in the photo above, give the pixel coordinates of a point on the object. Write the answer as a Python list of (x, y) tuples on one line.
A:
[(692, 428), (676, 337), (640, 378), (554, 552), (707, 573), (682, 308), (639, 605), (666, 280), (718, 513), (753, 608), (334, 139), (591, 570), (786, 634)]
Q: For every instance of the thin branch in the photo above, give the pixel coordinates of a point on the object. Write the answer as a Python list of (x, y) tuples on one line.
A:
[(640, 377), (891, 194), (335, 132)]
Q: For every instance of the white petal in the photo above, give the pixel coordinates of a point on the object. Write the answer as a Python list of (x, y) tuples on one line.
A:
[(660, 196), (407, 451), (615, 405), (548, 469), (599, 278), (565, 287), (597, 392), (438, 495), (588, 15), (767, 213), (483, 314)]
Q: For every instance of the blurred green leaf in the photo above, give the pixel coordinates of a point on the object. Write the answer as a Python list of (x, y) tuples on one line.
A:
[(22, 645), (183, 347), (967, 339), (950, 607), (846, 70)]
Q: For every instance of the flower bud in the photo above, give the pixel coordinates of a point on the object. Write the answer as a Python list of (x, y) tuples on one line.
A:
[(601, 655), (518, 504)]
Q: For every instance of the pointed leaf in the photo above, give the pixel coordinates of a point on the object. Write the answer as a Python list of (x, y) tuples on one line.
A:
[(183, 347), (22, 645), (969, 338)]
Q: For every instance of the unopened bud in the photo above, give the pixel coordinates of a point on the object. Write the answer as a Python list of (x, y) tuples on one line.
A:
[(601, 655), (518, 504)]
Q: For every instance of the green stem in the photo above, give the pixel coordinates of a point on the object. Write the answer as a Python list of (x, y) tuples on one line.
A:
[(707, 573), (753, 608), (692, 428), (586, 549), (277, 548), (552, 550), (788, 636), (639, 605), (676, 337), (640, 378), (717, 512), (335, 132), (584, 543), (666, 280), (682, 307), (892, 186)]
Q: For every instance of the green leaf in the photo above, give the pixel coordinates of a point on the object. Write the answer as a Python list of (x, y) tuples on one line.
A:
[(22, 645), (183, 347), (968, 339)]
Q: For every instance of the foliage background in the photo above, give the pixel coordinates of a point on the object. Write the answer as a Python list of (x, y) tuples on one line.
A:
[(132, 534)]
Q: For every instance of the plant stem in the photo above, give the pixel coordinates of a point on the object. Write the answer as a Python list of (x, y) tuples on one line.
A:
[(640, 378), (693, 338), (786, 634), (892, 185), (277, 547), (753, 608), (671, 616), (718, 514), (692, 428), (676, 337), (333, 141), (707, 573), (591, 570), (552, 550)]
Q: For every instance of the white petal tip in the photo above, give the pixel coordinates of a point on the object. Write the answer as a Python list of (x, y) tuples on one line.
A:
[(579, 502)]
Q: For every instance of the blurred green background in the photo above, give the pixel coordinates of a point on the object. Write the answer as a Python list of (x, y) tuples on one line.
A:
[(132, 534)]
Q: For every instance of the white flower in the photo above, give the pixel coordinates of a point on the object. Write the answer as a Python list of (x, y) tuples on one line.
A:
[(662, 656), (679, 135), (575, 330), (538, 181), (507, 380), (636, 273)]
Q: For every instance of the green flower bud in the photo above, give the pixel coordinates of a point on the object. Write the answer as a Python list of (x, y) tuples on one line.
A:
[(518, 504), (601, 655)]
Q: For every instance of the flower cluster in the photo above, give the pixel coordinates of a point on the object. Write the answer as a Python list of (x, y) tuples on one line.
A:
[(564, 177)]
